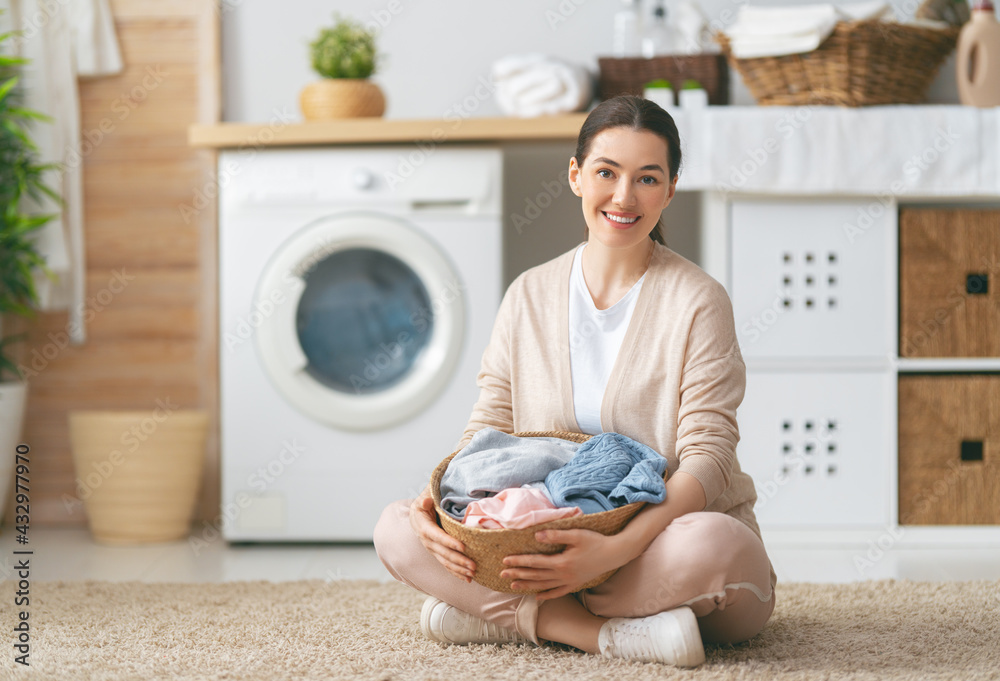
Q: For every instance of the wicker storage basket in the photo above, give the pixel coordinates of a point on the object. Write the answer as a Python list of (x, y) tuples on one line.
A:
[(143, 496), (489, 547), (628, 76), (860, 64)]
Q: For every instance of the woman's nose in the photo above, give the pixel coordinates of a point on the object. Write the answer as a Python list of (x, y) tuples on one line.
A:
[(624, 196)]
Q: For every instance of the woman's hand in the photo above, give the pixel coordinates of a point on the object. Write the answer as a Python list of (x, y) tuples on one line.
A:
[(449, 551), (587, 555)]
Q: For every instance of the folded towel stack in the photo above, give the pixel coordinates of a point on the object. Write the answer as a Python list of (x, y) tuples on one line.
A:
[(530, 85), (776, 31)]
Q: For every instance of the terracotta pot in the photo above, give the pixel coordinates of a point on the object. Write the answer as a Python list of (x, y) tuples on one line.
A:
[(138, 472), (333, 98), (13, 397)]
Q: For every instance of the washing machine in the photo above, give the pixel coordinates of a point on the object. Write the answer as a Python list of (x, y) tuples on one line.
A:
[(357, 292)]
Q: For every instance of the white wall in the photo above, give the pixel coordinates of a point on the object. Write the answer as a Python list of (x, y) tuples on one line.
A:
[(435, 51)]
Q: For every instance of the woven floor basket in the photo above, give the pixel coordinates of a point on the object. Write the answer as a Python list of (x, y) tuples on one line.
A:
[(861, 63), (489, 547)]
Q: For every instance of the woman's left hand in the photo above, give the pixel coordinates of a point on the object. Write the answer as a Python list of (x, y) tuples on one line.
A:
[(587, 555)]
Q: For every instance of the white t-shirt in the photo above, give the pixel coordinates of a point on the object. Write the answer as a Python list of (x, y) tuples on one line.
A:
[(594, 339)]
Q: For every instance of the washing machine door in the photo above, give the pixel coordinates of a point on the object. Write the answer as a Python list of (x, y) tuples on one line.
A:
[(362, 320)]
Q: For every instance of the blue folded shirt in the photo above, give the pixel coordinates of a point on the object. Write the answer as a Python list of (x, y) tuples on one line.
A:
[(609, 470)]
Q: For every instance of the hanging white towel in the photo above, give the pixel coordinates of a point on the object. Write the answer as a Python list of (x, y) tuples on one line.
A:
[(95, 42), (63, 40)]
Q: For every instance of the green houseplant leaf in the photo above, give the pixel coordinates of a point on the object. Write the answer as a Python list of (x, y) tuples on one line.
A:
[(21, 176), (347, 50)]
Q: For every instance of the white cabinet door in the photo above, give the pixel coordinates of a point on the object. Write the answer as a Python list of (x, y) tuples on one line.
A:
[(813, 279), (818, 446)]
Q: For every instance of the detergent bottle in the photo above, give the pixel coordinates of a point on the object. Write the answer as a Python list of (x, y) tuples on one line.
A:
[(978, 61)]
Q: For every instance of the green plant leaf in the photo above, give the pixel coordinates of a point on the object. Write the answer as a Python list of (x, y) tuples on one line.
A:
[(7, 86), (29, 114), (347, 50), (6, 363), (21, 176)]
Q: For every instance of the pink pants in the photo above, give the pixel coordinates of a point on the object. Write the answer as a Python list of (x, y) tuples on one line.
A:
[(708, 561)]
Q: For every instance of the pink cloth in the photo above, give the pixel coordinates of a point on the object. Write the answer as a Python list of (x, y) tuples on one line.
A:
[(515, 508)]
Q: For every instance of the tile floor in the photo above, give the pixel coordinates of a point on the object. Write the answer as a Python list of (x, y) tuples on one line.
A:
[(70, 553)]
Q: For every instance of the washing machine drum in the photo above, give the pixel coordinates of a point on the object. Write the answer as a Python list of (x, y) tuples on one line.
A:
[(363, 320)]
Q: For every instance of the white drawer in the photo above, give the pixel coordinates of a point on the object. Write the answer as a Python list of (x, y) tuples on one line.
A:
[(812, 280)]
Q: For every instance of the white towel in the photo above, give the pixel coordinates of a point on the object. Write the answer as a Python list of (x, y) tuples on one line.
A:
[(775, 31), (782, 21), (530, 85), (63, 40)]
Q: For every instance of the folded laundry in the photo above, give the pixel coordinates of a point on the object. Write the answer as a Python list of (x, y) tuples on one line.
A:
[(516, 508), (495, 461), (608, 471), (531, 85), (775, 31)]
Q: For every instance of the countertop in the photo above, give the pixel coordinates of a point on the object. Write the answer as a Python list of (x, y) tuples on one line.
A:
[(902, 150)]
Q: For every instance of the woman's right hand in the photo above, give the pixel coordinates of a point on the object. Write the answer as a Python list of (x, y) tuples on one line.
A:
[(449, 551)]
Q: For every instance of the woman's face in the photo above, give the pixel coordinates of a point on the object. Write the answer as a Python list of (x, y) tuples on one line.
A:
[(624, 183)]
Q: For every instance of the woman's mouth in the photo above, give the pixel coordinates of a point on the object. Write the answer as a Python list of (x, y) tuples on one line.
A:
[(620, 219)]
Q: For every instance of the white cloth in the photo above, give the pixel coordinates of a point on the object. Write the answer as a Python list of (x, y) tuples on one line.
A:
[(866, 151), (530, 85), (775, 31), (595, 337), (63, 39)]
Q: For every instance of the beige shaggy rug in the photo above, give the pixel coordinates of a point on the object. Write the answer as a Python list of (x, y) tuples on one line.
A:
[(370, 630)]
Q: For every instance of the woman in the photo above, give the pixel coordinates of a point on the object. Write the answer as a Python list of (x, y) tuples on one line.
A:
[(621, 335)]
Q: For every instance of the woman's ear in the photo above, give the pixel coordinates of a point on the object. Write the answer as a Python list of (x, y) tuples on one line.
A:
[(574, 177), (671, 192)]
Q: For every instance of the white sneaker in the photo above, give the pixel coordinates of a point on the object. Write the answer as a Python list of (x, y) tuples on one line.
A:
[(670, 637), (447, 624)]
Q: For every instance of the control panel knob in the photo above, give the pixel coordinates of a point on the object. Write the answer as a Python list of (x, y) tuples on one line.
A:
[(363, 178)]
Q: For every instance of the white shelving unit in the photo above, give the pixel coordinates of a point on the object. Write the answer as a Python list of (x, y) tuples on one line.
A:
[(819, 424)]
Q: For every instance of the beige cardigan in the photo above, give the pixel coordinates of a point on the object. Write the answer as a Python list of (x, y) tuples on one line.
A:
[(675, 385)]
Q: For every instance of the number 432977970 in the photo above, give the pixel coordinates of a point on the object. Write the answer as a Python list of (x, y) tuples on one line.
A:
[(21, 496)]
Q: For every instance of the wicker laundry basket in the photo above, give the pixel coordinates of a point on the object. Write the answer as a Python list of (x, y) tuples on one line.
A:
[(861, 63), (629, 75), (489, 547)]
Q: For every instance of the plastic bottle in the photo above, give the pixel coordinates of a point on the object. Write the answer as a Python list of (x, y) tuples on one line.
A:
[(660, 37), (626, 30), (978, 61)]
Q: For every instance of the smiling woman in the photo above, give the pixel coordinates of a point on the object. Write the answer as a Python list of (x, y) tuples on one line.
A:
[(625, 127), (621, 335)]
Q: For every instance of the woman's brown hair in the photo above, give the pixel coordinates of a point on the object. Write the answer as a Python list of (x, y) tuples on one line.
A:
[(635, 113)]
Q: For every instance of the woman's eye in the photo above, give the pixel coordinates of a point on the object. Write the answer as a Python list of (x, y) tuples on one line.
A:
[(648, 179), (604, 172)]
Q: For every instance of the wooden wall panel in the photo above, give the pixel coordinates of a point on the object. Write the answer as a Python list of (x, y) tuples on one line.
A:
[(150, 267)]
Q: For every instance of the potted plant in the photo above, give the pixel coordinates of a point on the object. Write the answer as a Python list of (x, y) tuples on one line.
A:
[(345, 57), (20, 178)]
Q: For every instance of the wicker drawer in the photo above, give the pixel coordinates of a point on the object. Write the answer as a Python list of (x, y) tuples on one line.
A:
[(949, 281), (949, 450)]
